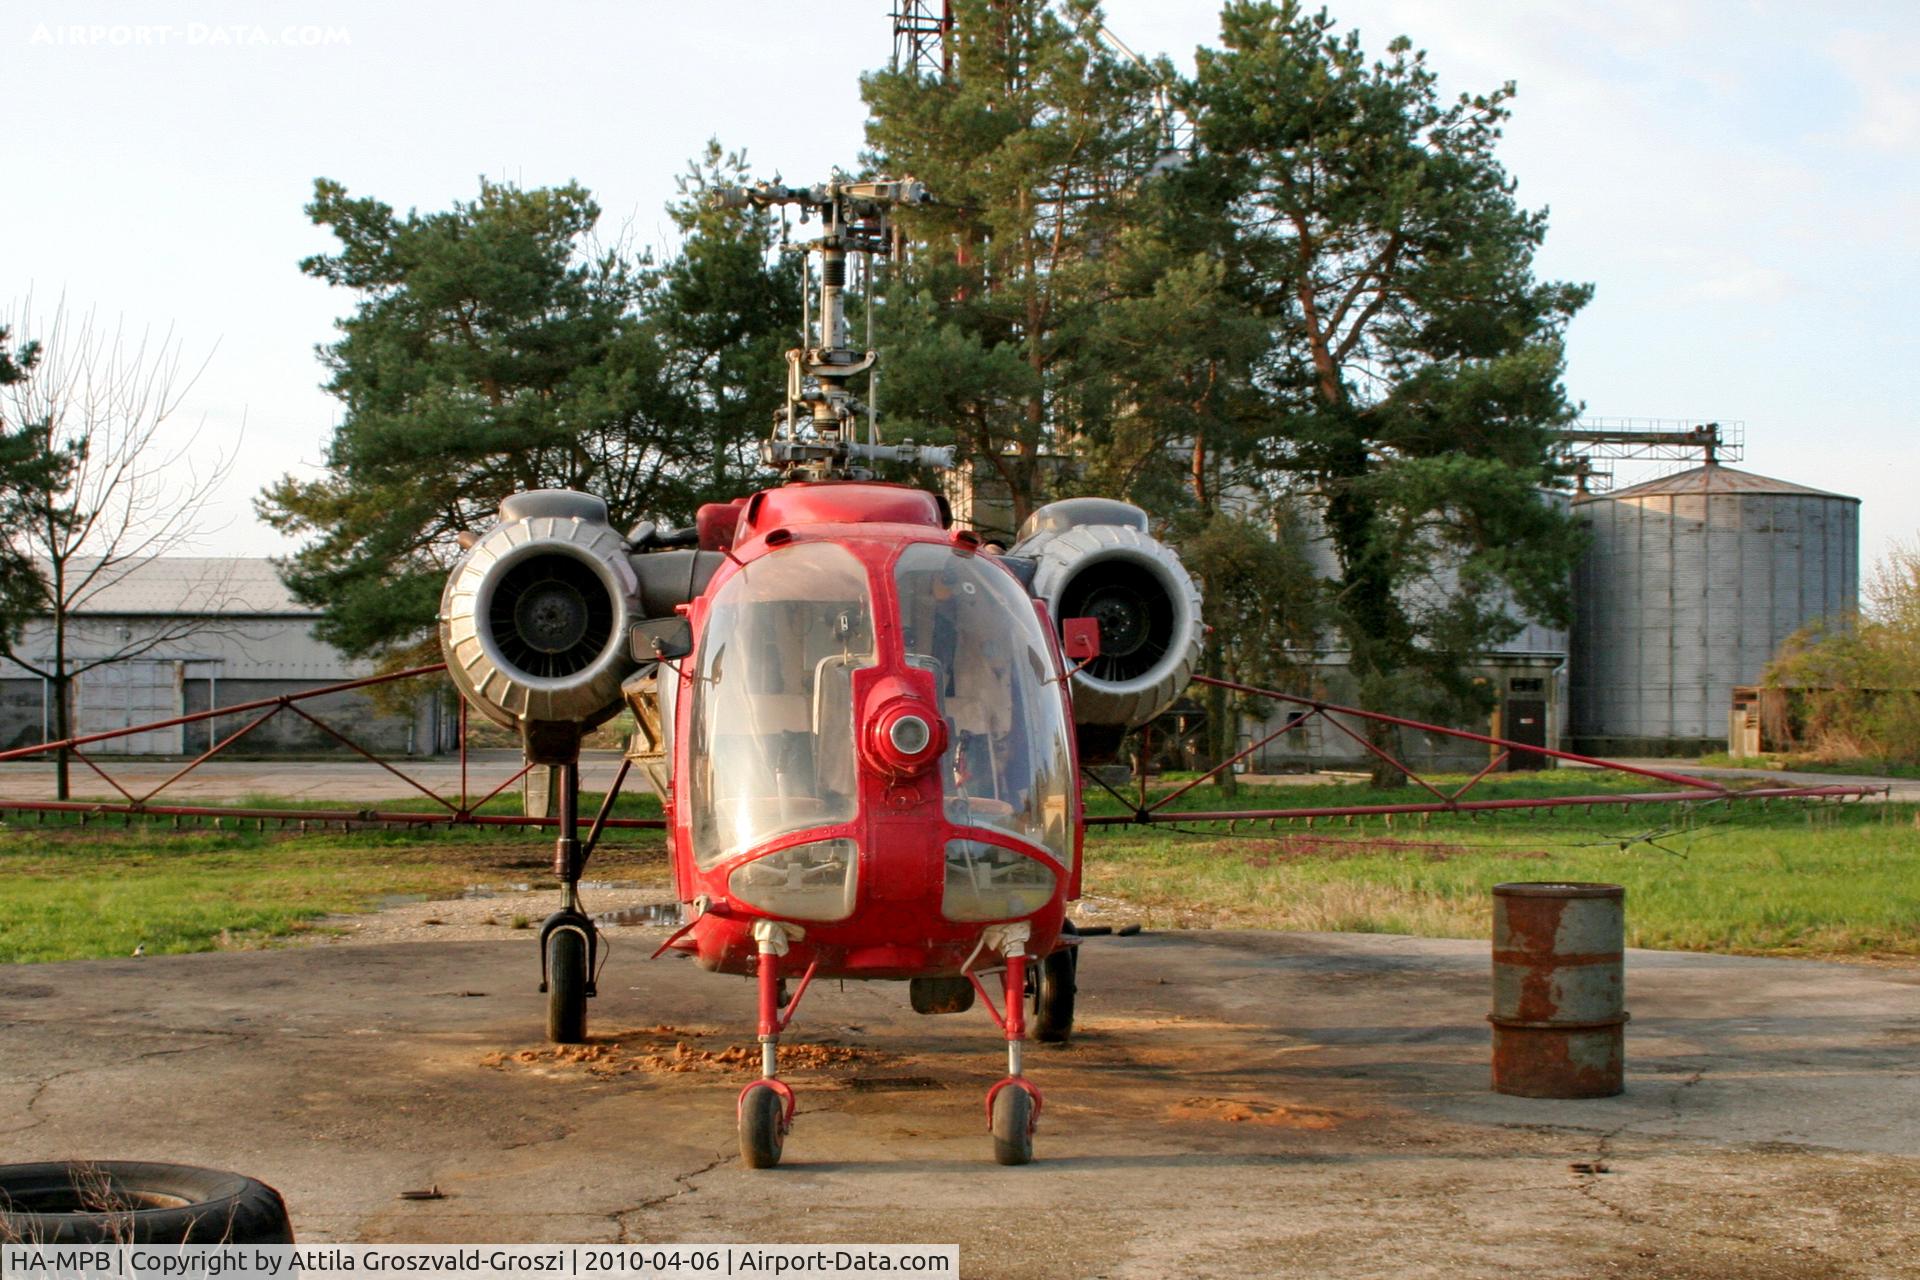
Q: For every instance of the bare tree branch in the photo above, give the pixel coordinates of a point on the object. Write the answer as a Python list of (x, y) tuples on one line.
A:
[(135, 490)]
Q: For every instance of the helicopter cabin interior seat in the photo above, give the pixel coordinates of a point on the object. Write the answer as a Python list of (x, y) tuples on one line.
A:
[(980, 717), (777, 738)]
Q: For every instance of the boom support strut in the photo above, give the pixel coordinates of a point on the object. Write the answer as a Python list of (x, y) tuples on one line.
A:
[(1443, 801)]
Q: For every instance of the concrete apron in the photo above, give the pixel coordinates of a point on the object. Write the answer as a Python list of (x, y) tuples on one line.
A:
[(1232, 1104)]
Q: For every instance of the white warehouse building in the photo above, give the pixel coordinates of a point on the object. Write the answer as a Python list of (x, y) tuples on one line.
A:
[(190, 633)]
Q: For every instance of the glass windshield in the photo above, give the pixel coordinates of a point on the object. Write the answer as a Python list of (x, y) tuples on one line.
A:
[(772, 709), (1007, 763)]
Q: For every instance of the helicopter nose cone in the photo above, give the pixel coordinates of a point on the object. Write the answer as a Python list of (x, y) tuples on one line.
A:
[(909, 735), (905, 738)]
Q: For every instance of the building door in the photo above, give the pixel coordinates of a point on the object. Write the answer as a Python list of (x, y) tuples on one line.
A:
[(120, 695), (1526, 723)]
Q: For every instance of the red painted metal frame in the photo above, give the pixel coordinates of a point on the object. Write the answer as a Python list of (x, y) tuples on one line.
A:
[(773, 1019), (238, 708), (457, 813), (1013, 1023), (779, 1086), (1017, 1082), (1445, 802)]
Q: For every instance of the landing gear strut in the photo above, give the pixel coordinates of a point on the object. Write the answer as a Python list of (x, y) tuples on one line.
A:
[(569, 942), (766, 1106), (1013, 1105)]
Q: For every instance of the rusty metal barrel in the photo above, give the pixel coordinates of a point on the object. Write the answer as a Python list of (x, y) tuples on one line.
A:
[(1559, 990)]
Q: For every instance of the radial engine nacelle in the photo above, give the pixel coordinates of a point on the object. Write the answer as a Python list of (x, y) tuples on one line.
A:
[(537, 618), (1093, 558)]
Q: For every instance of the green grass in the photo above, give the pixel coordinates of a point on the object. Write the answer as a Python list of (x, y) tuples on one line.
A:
[(1784, 878), (72, 891), (1808, 764)]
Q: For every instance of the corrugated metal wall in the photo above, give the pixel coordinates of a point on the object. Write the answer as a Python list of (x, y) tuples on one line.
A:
[(1683, 595)]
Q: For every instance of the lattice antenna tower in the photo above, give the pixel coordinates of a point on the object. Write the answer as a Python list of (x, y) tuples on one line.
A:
[(922, 37)]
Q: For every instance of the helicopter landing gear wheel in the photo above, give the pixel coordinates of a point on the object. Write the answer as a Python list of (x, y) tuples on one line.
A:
[(766, 1110), (1013, 1110), (766, 1105), (1053, 996), (567, 987), (1013, 1104), (568, 941)]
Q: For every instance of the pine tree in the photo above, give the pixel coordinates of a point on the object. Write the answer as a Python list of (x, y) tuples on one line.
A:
[(496, 347), (726, 308), (1414, 362), (1033, 150)]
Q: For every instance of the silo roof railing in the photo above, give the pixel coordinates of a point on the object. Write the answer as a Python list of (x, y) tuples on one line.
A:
[(1712, 479)]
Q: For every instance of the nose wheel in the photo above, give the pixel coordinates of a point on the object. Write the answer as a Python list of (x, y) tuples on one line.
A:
[(1013, 1104), (766, 1113), (766, 1106)]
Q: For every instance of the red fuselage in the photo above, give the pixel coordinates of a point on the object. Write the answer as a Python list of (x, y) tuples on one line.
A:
[(871, 741)]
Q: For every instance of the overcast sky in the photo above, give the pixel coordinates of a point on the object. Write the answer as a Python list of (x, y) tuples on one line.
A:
[(1741, 181)]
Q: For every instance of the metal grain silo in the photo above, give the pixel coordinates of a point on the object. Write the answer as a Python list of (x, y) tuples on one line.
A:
[(1687, 589)]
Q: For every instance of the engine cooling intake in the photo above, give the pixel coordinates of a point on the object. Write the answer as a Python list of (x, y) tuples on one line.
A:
[(534, 618), (1093, 558)]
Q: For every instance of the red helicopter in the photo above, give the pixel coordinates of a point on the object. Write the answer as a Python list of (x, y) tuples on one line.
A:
[(865, 724)]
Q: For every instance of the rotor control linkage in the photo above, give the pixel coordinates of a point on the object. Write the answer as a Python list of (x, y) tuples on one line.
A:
[(813, 432)]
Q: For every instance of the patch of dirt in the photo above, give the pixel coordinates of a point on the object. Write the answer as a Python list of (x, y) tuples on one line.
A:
[(1096, 909), (1114, 1024), (670, 1050), (516, 915), (1258, 1111)]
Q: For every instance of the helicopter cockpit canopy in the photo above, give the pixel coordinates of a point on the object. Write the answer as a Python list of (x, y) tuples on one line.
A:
[(1007, 765), (773, 723), (773, 699)]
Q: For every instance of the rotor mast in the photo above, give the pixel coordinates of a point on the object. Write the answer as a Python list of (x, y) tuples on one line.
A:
[(814, 435)]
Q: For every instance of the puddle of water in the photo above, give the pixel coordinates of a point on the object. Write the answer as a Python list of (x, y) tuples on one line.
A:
[(653, 914), (387, 901)]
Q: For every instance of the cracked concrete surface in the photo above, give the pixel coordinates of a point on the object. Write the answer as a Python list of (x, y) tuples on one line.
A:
[(1234, 1104)]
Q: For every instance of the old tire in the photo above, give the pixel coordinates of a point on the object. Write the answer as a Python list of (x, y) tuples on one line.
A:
[(566, 987), (761, 1113), (137, 1202), (1013, 1126)]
